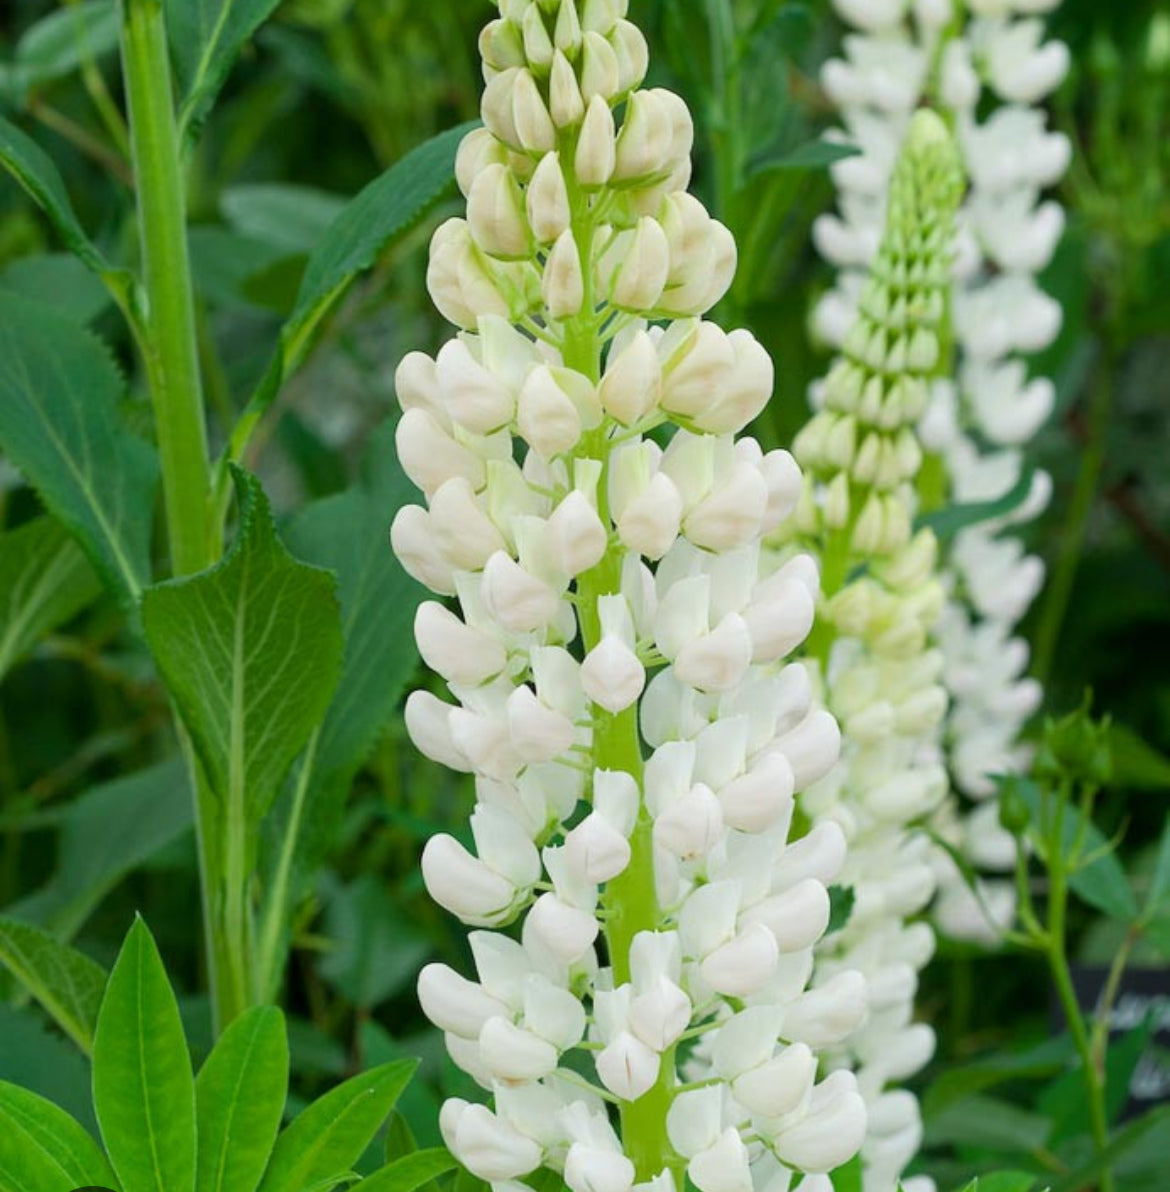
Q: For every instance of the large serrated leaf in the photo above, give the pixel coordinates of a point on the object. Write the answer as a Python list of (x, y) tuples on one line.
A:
[(329, 1137), (45, 580), (143, 1087), (239, 1095), (380, 215), (206, 38), (43, 1149), (32, 167), (59, 423), (109, 831), (66, 983), (250, 650)]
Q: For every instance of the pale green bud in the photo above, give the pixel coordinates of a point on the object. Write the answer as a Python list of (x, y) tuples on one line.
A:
[(563, 283), (496, 216), (567, 33), (836, 506), (600, 70), (538, 46), (534, 125), (565, 103), (547, 200), (597, 145)]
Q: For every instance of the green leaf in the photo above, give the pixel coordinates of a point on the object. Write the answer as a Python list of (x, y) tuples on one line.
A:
[(1136, 764), (400, 1139), (43, 1061), (206, 38), (848, 1177), (32, 167), (1101, 883), (58, 44), (1048, 1058), (411, 1172), (67, 983), (143, 1089), (250, 650), (841, 900), (42, 1149), (1158, 896), (239, 1096), (59, 280), (59, 423), (293, 219), (812, 155), (988, 1122), (1003, 1181), (46, 580), (1122, 1142), (947, 522), (108, 832), (329, 1136), (379, 216)]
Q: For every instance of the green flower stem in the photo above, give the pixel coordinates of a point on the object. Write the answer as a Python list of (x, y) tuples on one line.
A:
[(630, 902), (172, 356)]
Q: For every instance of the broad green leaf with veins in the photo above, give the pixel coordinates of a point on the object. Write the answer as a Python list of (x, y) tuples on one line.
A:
[(250, 650)]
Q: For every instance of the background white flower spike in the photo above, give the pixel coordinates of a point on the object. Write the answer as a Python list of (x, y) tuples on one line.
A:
[(875, 667), (612, 591), (995, 67)]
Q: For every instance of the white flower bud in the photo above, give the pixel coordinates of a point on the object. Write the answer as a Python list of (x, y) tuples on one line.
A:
[(463, 532), (495, 214), (744, 965), (661, 1014), (512, 1053), (642, 264), (428, 724), (650, 522), (832, 1131), (732, 515), (812, 747), (718, 660), (430, 456), (548, 200), (702, 368), (797, 917), (761, 798), (477, 151), (746, 391), (690, 825), (567, 32), (829, 1013), (416, 383), (782, 476), (564, 931), (597, 145), (563, 283), (780, 1085), (597, 1169), (632, 383), (612, 676), (779, 618), (722, 1167), (488, 1146), (545, 414), (538, 46), (455, 1004), (538, 733), (413, 543), (627, 1067), (553, 1013), (645, 139), (577, 539), (695, 1120), (535, 131), (597, 849), (461, 654), (633, 54), (518, 600), (566, 106), (600, 69)]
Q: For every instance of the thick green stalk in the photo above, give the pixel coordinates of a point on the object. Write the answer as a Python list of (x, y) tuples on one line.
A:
[(172, 355)]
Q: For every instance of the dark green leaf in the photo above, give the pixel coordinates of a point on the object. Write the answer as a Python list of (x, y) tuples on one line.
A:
[(1003, 1181), (1048, 1058), (376, 951), (1122, 1142), (1158, 897), (42, 1149), (239, 1098), (987, 1122), (1136, 764), (293, 219), (380, 215), (224, 263), (143, 1089), (812, 155), (46, 580), (59, 280), (329, 1137), (44, 1062), (109, 831), (206, 39), (411, 1172), (841, 900), (947, 522), (67, 983), (250, 651), (32, 167), (400, 1139), (59, 42), (418, 1107), (59, 423), (1101, 883)]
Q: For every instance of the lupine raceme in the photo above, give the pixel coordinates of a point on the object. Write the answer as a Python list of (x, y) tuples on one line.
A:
[(616, 655), (986, 63), (878, 668)]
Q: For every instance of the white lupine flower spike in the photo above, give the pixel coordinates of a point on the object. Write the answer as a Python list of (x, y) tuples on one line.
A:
[(619, 660), (877, 673)]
